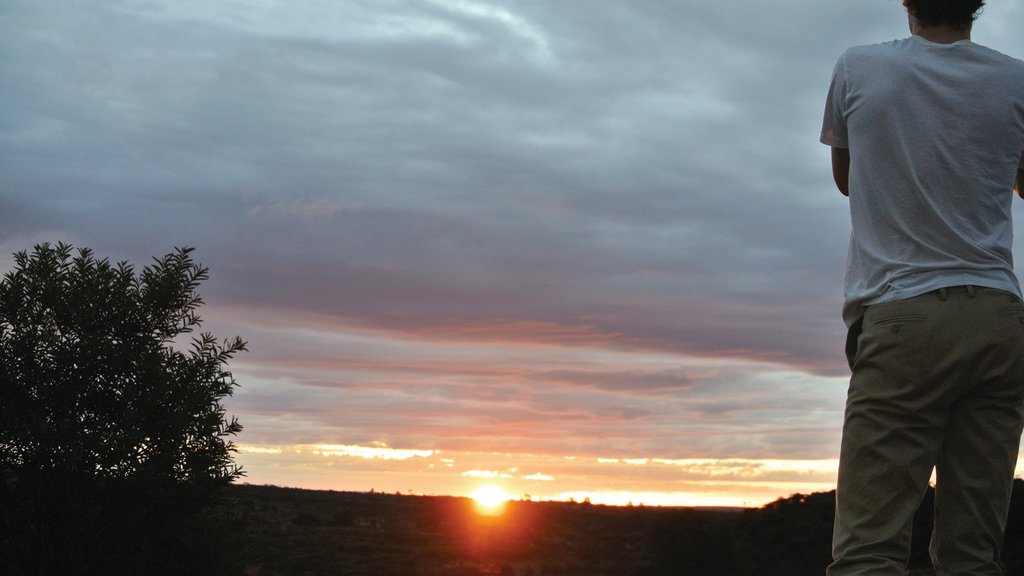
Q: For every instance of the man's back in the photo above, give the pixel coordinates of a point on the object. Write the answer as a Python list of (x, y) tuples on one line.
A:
[(926, 135), (935, 132)]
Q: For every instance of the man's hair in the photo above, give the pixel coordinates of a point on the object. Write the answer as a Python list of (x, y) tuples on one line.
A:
[(954, 13)]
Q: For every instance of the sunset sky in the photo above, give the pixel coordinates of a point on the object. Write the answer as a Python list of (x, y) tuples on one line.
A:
[(565, 248)]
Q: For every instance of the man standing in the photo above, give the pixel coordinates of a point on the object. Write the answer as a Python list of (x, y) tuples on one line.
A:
[(927, 136)]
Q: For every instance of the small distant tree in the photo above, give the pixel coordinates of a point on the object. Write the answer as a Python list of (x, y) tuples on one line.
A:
[(113, 441)]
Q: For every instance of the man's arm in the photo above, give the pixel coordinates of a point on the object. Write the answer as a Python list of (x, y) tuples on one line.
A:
[(1019, 188), (841, 170)]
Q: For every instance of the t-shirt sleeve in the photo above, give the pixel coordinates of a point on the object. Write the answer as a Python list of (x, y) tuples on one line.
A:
[(833, 126)]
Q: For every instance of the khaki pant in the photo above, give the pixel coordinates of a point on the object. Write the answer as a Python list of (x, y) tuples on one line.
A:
[(938, 382)]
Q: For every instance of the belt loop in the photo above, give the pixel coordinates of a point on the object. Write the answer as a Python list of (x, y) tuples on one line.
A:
[(943, 293), (970, 291)]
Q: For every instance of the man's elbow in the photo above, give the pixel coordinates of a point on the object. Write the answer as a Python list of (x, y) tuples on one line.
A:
[(843, 186), (1019, 182), (841, 169)]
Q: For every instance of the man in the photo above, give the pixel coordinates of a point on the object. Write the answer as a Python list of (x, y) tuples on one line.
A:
[(927, 137)]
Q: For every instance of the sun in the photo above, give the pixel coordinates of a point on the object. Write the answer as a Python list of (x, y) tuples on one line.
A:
[(490, 500)]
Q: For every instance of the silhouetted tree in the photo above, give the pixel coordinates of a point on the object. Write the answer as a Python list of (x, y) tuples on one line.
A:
[(789, 537), (793, 536), (113, 441)]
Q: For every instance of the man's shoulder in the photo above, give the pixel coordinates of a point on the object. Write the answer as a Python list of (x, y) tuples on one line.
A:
[(905, 51), (878, 49), (867, 53), (999, 57)]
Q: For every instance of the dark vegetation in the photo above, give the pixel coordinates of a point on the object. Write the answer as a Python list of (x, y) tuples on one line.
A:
[(113, 441), (304, 532)]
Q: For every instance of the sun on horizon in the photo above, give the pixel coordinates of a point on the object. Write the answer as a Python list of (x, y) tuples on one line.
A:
[(490, 499)]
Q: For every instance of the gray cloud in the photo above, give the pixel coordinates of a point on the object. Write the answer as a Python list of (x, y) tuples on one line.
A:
[(634, 178)]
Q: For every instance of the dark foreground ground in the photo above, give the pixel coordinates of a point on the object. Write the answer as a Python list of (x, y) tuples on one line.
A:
[(304, 532)]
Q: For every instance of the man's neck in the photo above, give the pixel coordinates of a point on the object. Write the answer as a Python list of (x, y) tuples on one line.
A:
[(938, 34), (943, 35)]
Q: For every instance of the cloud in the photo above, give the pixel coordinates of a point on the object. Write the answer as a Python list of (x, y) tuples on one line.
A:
[(486, 474), (542, 227), (378, 451)]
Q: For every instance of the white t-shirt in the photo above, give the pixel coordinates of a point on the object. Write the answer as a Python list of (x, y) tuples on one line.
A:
[(935, 133)]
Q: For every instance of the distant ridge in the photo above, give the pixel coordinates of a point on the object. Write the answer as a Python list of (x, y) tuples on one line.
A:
[(296, 531)]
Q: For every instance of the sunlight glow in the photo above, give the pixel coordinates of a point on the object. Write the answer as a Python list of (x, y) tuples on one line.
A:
[(490, 499), (651, 480)]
